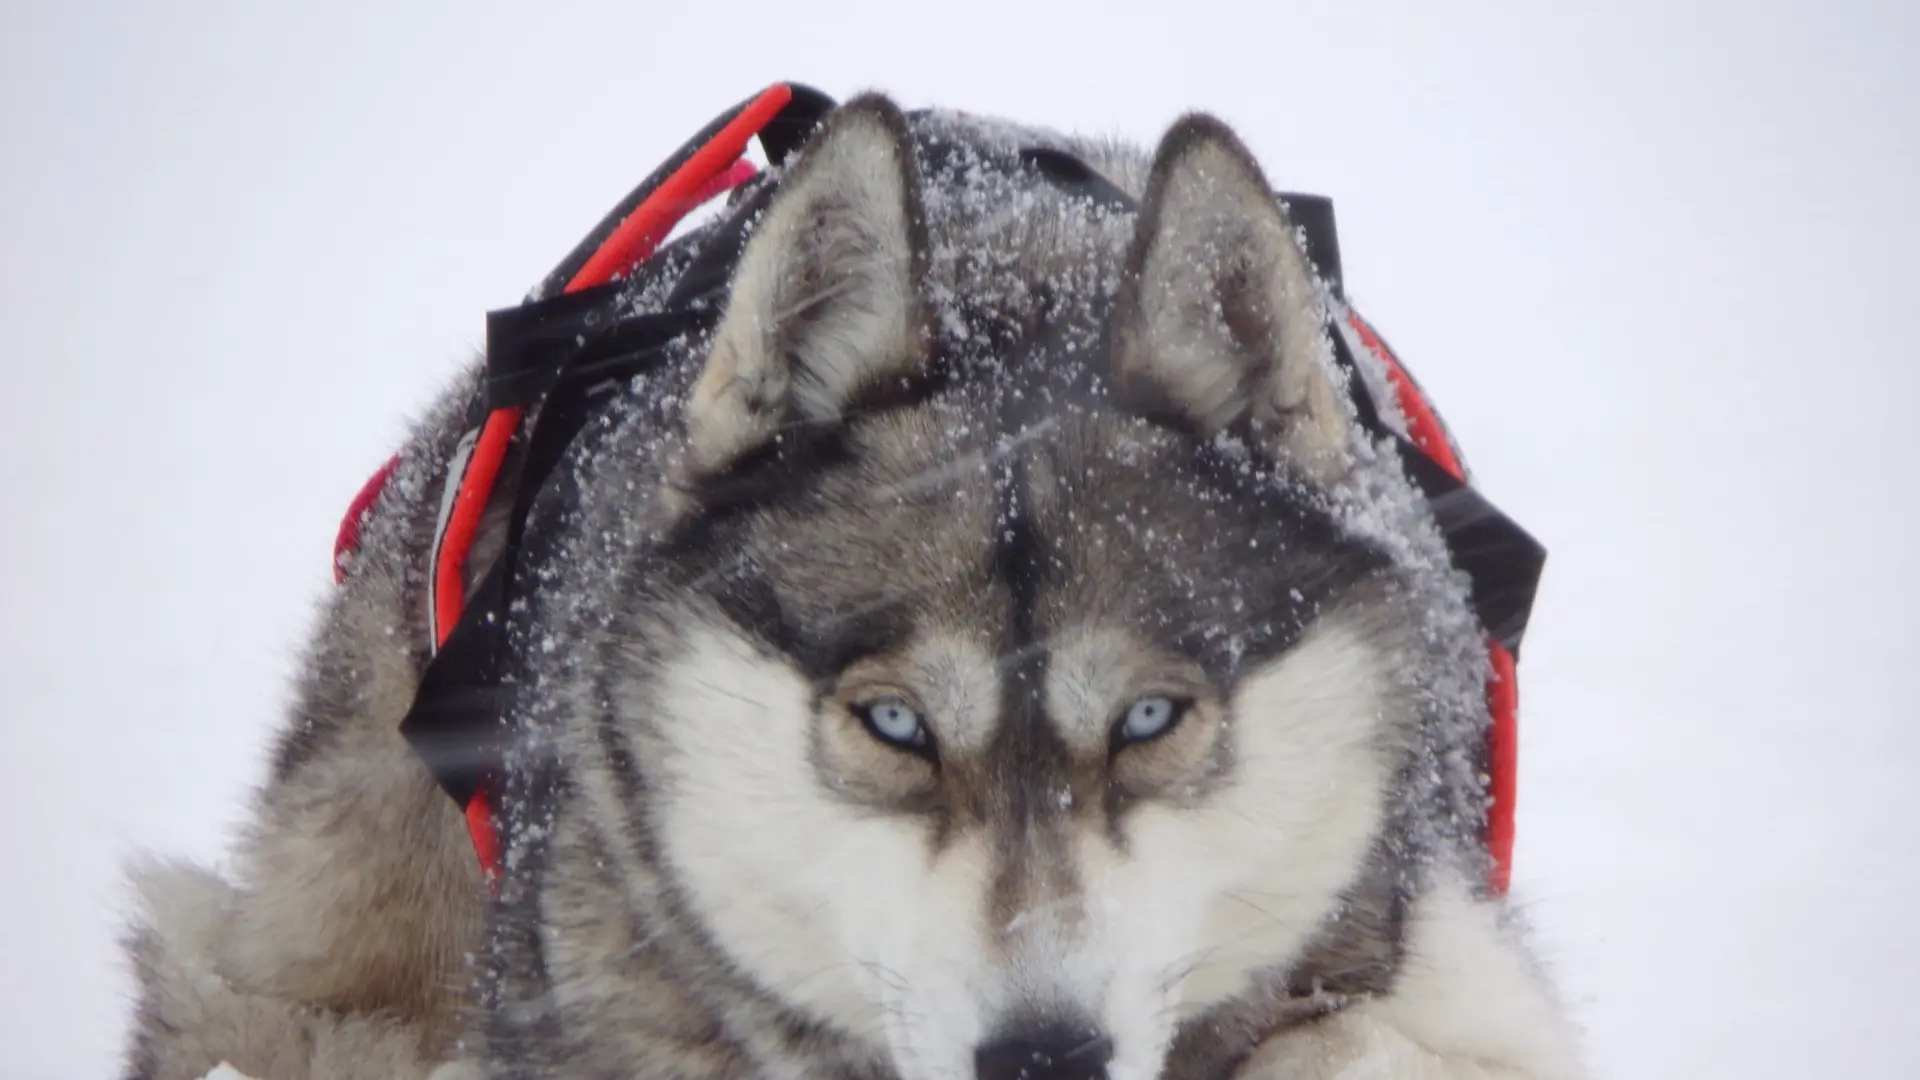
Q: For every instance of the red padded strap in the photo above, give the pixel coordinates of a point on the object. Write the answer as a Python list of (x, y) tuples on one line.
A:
[(347, 540), (714, 169)]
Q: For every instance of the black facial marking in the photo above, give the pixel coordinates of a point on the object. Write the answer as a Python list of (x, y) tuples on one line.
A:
[(779, 473), (1028, 765), (897, 390), (1026, 770), (821, 647), (1072, 175), (1019, 556), (629, 777)]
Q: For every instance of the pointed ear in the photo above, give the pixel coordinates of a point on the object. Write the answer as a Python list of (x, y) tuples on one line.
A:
[(1220, 319), (825, 300)]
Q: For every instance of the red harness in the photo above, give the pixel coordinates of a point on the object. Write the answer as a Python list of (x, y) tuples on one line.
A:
[(715, 167)]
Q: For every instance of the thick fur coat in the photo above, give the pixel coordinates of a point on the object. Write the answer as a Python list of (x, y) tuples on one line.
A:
[(993, 652)]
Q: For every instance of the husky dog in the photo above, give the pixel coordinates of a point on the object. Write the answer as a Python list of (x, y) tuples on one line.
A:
[(994, 652)]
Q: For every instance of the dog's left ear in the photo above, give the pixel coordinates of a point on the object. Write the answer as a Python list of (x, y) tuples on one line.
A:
[(1220, 319), (826, 300)]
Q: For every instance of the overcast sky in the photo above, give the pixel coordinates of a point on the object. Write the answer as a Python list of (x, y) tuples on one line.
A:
[(1655, 261)]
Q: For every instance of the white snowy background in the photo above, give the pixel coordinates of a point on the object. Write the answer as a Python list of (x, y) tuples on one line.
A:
[(1657, 262)]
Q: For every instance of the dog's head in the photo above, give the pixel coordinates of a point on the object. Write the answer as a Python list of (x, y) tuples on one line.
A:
[(1004, 687)]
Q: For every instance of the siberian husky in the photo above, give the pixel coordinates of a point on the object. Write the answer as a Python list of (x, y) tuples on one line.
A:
[(994, 651)]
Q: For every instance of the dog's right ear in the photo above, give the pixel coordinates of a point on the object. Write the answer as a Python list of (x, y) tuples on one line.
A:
[(826, 297)]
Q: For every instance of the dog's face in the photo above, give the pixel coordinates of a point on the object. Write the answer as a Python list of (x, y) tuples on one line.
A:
[(1000, 717)]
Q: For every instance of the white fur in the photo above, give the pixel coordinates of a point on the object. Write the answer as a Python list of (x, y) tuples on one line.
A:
[(961, 684), (1206, 896), (846, 914), (1091, 672), (1469, 1005), (838, 910)]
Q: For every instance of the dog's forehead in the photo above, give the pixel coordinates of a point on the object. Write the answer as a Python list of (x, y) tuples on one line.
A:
[(1204, 550), (904, 524), (1128, 520), (1128, 524)]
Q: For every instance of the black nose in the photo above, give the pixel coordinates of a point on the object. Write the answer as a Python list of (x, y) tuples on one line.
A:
[(1049, 1053)]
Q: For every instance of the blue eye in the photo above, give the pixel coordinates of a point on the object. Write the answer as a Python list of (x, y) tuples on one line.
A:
[(1149, 718), (894, 722)]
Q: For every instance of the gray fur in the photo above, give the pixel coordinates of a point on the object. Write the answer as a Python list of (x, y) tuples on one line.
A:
[(939, 422), (355, 898)]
